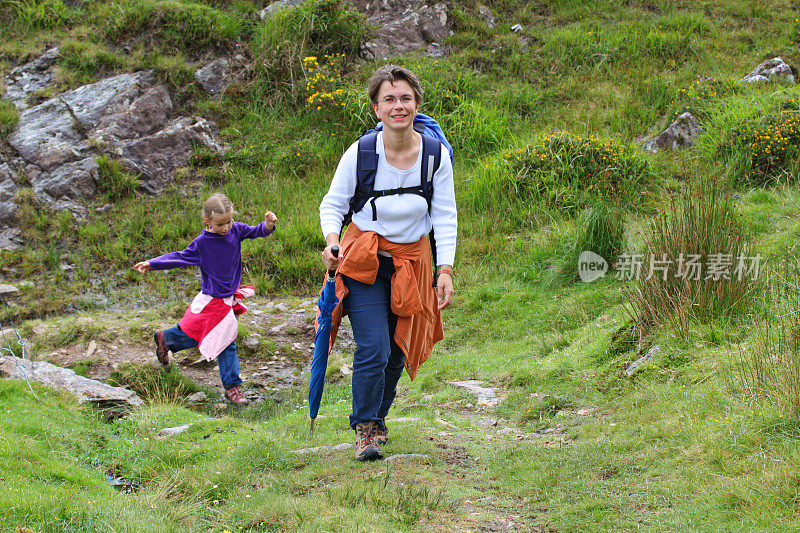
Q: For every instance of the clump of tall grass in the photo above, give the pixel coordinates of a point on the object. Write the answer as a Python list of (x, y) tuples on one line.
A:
[(568, 172), (8, 118), (114, 180), (600, 230), (696, 264), (153, 385), (769, 370)]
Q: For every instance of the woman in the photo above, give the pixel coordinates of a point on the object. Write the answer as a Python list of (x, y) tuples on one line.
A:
[(384, 277)]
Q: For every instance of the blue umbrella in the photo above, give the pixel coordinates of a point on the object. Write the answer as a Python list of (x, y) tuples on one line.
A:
[(327, 303)]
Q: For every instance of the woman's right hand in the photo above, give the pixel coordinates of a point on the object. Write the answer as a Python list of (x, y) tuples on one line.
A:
[(328, 259)]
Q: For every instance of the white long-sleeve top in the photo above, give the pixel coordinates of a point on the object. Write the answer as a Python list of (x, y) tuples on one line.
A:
[(401, 218)]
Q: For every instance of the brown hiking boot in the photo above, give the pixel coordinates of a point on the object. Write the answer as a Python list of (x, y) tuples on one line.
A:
[(162, 352), (381, 435), (235, 396), (366, 447)]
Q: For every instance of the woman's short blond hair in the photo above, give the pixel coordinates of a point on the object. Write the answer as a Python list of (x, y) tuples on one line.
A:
[(392, 73)]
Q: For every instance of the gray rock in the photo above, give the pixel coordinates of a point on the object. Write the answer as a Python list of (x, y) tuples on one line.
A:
[(84, 389), (774, 69), (46, 135), (6, 290), (214, 77), (484, 422), (8, 191), (70, 180), (133, 114), (26, 79), (252, 342), (197, 397), (324, 449), (405, 419), (486, 396), (407, 457), (10, 239), (158, 156), (274, 7), (487, 16), (171, 432), (89, 103), (652, 352), (681, 133), (404, 26)]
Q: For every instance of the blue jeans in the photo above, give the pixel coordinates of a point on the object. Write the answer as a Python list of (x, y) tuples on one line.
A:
[(378, 361), (176, 340)]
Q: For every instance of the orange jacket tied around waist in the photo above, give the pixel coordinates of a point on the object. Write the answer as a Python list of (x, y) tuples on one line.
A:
[(419, 322)]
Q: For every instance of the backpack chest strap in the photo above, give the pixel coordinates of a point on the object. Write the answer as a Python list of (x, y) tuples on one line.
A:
[(389, 192)]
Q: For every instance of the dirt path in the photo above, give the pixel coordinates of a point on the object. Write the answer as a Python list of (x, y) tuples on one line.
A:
[(273, 354)]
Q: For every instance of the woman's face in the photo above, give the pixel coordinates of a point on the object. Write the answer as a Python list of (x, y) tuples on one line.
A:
[(396, 105)]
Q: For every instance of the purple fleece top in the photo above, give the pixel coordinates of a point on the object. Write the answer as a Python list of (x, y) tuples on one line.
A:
[(218, 256)]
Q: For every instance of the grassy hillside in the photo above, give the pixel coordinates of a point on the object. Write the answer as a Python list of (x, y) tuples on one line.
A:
[(547, 125)]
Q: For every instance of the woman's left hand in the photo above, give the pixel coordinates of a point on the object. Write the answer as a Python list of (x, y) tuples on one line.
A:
[(444, 290)]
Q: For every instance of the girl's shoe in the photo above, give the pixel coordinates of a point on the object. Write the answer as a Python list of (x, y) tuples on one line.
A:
[(235, 396), (162, 352)]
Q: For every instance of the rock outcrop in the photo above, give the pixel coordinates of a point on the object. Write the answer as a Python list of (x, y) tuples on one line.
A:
[(404, 27), (127, 117), (27, 79), (774, 69), (114, 399)]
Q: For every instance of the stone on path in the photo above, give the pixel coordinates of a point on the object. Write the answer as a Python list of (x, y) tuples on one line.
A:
[(404, 419), (484, 422), (84, 389), (171, 432), (486, 396), (197, 397), (324, 449), (407, 457), (6, 290)]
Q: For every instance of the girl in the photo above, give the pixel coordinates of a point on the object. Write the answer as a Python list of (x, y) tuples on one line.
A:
[(210, 321)]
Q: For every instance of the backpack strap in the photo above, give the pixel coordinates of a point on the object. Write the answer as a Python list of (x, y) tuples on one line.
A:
[(366, 168)]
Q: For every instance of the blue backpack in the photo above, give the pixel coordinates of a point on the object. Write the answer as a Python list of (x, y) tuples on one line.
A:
[(367, 166)]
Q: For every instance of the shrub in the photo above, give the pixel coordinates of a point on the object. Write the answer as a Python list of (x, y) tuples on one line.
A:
[(696, 266), (755, 135), (318, 28), (569, 172), (770, 369), (114, 181), (699, 98)]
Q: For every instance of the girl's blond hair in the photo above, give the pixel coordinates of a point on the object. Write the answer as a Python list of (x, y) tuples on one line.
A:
[(217, 204)]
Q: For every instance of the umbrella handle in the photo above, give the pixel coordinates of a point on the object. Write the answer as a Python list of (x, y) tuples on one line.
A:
[(334, 253)]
